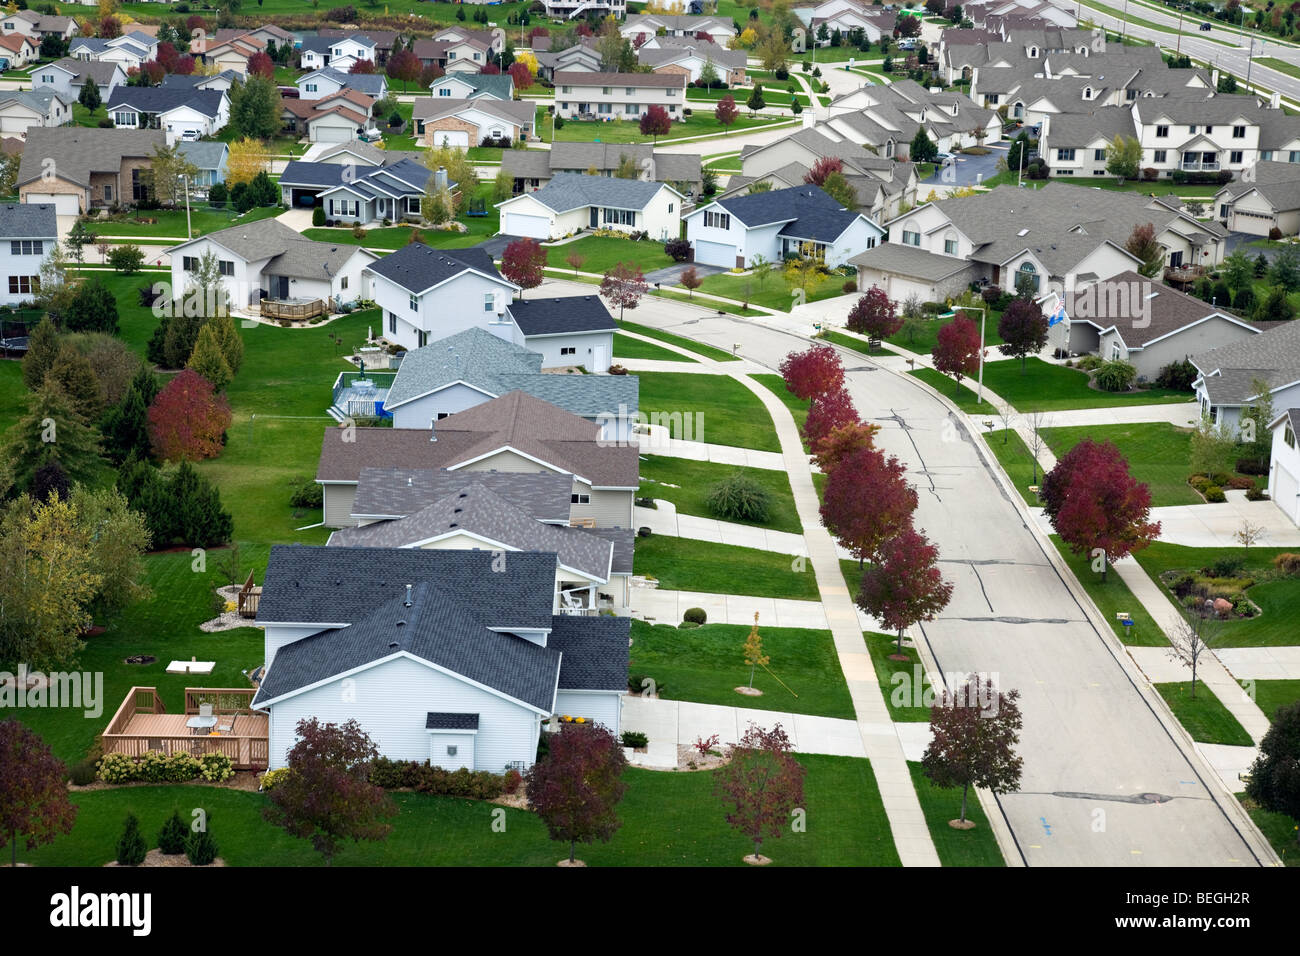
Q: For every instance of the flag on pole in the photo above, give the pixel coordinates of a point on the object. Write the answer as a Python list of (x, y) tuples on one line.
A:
[(1058, 316)]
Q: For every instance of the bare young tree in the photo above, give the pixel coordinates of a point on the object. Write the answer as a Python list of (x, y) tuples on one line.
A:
[(1249, 533), (1007, 416), (1193, 635), (1037, 422)]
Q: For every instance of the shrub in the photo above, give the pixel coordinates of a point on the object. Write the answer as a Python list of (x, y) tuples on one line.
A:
[(512, 779), (739, 497), (318, 216), (358, 232), (1116, 376), (679, 250), (1214, 494), (1252, 466), (1244, 300), (180, 767), (126, 259), (634, 738), (218, 194), (1150, 174), (172, 837), (215, 768), (1091, 362), (1256, 494), (1240, 482), (116, 768), (1288, 562), (640, 683), (1199, 482), (200, 848), (695, 615), (687, 626), (308, 495), (426, 778), (273, 778), (152, 767), (1275, 234), (130, 848), (82, 773), (1178, 375), (849, 287)]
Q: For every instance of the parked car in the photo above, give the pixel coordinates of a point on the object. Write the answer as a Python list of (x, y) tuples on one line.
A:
[(189, 136), (289, 92), (1207, 26), (943, 159)]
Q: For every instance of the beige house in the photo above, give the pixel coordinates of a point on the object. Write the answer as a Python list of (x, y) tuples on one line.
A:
[(622, 96), (449, 121), (78, 169), (1270, 200)]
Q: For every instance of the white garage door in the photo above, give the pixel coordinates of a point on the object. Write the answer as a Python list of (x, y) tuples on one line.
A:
[(450, 137), (1255, 223), (715, 254), (64, 205), (1285, 490), (535, 227), (331, 134)]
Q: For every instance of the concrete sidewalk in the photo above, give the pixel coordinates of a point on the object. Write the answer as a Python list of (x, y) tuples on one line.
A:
[(657, 442), (1212, 525), (1261, 663), (661, 606), (666, 521)]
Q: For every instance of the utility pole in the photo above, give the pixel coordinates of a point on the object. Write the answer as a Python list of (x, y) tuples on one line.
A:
[(189, 228), (1250, 61), (1179, 49), (1124, 34)]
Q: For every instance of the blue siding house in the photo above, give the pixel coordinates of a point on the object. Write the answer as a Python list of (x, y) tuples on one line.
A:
[(211, 159)]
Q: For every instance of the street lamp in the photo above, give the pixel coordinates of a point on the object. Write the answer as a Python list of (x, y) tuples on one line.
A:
[(979, 395)]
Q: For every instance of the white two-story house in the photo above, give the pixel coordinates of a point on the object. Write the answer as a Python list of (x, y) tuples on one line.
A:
[(624, 96), (28, 233)]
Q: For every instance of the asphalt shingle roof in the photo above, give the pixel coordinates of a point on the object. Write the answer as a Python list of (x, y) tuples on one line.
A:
[(807, 211), (594, 649), (1273, 356), (78, 151), (449, 721), (204, 155), (28, 221), (417, 267), (584, 313), (568, 191), (909, 261), (397, 492)]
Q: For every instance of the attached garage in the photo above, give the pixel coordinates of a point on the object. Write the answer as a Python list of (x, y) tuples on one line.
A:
[(322, 132), (534, 227), (715, 254), (451, 137), (16, 120), (1284, 491), (65, 204), (1254, 223)]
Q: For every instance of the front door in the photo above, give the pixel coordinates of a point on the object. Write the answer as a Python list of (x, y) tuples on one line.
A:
[(280, 287), (594, 221)]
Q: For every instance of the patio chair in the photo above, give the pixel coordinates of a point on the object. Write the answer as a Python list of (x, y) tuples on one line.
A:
[(227, 728)]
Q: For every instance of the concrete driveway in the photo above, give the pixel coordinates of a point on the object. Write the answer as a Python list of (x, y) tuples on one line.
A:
[(671, 274), (968, 170)]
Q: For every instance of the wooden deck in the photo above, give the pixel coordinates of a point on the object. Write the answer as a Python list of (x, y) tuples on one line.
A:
[(142, 724)]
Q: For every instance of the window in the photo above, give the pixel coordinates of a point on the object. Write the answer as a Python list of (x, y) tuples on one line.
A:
[(1130, 94), (950, 246), (1191, 129), (670, 207), (1288, 436), (630, 91), (26, 247), (1239, 132), (605, 90), (717, 220), (578, 499), (392, 323), (1065, 155), (225, 267), (124, 118), (1098, 155), (620, 217), (1158, 156), (1235, 156), (310, 87), (444, 92), (1087, 92), (565, 89), (1293, 156), (604, 108), (1162, 132), (451, 55), (672, 107), (630, 109), (489, 301), (1214, 414), (569, 350), (47, 78), (24, 285), (671, 92), (1209, 129), (421, 339), (911, 238), (412, 204), (189, 263), (414, 303), (1223, 211), (1027, 275), (1266, 155), (991, 99), (1114, 351), (108, 192), (344, 283)]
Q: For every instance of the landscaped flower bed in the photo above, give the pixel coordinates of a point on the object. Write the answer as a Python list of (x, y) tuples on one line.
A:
[(1223, 585)]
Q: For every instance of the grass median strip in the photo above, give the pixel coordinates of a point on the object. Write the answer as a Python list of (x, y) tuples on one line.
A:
[(682, 564), (1272, 694), (1013, 455), (709, 408), (1203, 716), (1113, 597), (975, 847), (959, 394), (699, 348), (696, 479), (629, 348), (898, 683)]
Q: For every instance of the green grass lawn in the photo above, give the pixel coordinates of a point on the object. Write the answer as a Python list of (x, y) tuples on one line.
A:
[(668, 819), (1272, 694), (682, 564), (772, 294), (776, 385), (1280, 830), (1157, 453), (629, 348), (701, 122), (724, 162), (699, 348), (974, 847), (1282, 66), (1111, 598), (1278, 599), (1203, 716), (897, 678), (697, 478), (956, 392), (849, 342), (709, 408), (1014, 457), (924, 339), (171, 222), (706, 665), (1048, 387), (389, 237), (602, 253)]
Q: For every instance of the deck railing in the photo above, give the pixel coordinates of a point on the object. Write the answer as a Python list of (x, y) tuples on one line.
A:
[(246, 751), (249, 597), (273, 309), (224, 700), (139, 700)]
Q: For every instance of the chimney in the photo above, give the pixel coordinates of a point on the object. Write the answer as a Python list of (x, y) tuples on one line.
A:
[(408, 596), (440, 178), (433, 429)]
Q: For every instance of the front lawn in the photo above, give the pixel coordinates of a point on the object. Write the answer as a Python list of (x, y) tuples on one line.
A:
[(1014, 456), (706, 664), (1279, 829), (384, 237), (602, 253), (682, 564), (708, 408), (626, 347), (1203, 716), (923, 340), (974, 847), (773, 293), (668, 819), (171, 222), (1113, 597), (1272, 694), (798, 406), (954, 391), (701, 123), (699, 348), (1157, 454), (695, 480), (1277, 596), (1048, 387)]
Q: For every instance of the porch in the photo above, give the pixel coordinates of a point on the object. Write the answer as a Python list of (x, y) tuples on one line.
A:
[(293, 308), (361, 395), (1200, 163), (215, 720), (581, 600)]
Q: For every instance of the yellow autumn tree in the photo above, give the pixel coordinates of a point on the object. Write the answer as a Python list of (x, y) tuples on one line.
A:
[(527, 58), (754, 655), (248, 157), (744, 40)]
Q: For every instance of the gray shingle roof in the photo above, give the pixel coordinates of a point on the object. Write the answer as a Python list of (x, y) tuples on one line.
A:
[(78, 151), (288, 252), (1228, 371), (417, 267), (909, 261), (568, 191), (499, 85), (807, 211), (664, 81), (161, 99), (28, 221), (37, 100), (396, 493), (594, 649), (320, 585), (204, 155), (1278, 183), (99, 71), (372, 84), (578, 313), (448, 721), (439, 625)]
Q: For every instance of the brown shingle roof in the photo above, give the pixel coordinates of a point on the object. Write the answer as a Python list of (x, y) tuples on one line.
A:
[(667, 81)]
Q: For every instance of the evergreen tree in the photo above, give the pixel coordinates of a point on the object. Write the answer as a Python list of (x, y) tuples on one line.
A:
[(126, 428), (209, 361), (42, 349), (51, 430), (227, 337), (178, 343), (756, 101), (131, 850), (923, 148), (90, 97), (92, 309), (73, 373), (200, 520)]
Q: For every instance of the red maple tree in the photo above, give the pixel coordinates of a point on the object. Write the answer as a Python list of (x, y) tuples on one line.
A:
[(34, 803), (874, 315), (624, 285), (109, 28), (523, 262), (187, 419), (973, 735), (522, 76), (867, 501), (957, 348), (261, 64), (404, 65), (823, 168), (904, 587), (1023, 329), (656, 122), (812, 372), (760, 785), (726, 112), (363, 66), (828, 412), (576, 787), (844, 440), (1096, 506)]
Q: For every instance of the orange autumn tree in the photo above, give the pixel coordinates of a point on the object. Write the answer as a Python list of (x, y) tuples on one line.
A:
[(188, 419)]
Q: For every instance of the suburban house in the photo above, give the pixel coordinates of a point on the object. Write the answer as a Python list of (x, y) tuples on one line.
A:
[(327, 82), (691, 56), (335, 118), (570, 9), (847, 16), (886, 118), (883, 185), (507, 512), (582, 57), (267, 34), (568, 332), (516, 433), (28, 232), (469, 86), (1195, 134), (381, 40), (439, 658), (184, 113), (39, 25), (19, 50), (67, 76), (77, 168), (458, 50), (475, 366), (1055, 239), (533, 169), (128, 50), (220, 82), (233, 54), (625, 96), (20, 110), (776, 224), (360, 194), (1225, 386), (337, 53), (1269, 200), (210, 159), (571, 203), (447, 121), (428, 294), (641, 27), (266, 260), (1284, 464), (1131, 318)]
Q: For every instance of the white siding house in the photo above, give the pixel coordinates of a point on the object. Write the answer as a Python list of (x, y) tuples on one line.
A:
[(570, 203), (1284, 465), (28, 233)]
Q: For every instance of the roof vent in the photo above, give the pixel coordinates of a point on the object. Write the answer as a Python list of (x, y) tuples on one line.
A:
[(394, 643), (453, 525), (407, 603), (457, 511)]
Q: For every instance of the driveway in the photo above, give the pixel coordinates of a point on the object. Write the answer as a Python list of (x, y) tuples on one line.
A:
[(968, 170), (672, 274), (496, 246), (1243, 240)]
